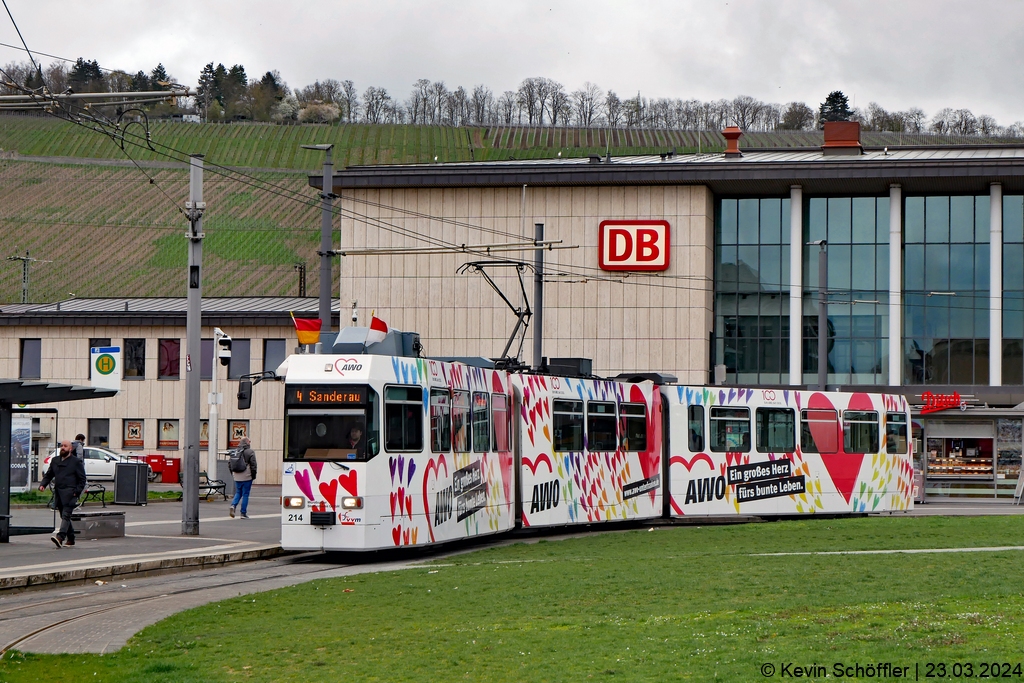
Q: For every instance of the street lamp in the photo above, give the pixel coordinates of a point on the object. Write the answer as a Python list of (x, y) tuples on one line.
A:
[(822, 312)]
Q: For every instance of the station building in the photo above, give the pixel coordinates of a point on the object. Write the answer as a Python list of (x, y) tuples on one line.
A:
[(703, 266)]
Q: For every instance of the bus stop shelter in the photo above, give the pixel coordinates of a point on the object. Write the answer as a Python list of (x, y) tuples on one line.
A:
[(19, 392)]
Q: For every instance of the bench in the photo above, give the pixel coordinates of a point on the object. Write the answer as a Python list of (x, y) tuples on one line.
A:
[(207, 487), (93, 491)]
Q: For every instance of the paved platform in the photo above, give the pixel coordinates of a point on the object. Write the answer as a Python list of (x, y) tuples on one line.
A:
[(152, 542)]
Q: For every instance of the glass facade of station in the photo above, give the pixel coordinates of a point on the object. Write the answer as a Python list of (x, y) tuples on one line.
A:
[(945, 293)]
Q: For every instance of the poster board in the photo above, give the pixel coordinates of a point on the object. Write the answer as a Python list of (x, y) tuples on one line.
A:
[(21, 453)]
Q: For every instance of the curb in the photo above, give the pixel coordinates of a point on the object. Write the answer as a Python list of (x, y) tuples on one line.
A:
[(148, 567)]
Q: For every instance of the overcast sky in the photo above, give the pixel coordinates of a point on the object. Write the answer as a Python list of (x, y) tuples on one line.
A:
[(930, 54)]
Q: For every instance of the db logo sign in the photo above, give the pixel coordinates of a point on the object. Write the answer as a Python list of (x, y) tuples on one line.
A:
[(633, 245)]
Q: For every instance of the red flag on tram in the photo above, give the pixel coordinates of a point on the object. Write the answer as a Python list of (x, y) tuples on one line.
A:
[(378, 330), (307, 329)]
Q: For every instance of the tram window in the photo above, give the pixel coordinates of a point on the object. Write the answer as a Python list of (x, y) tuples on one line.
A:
[(326, 435), (860, 431), (730, 430), (481, 422), (440, 421), (695, 428), (461, 437), (499, 411), (567, 421), (403, 418), (818, 431), (634, 426), (776, 430), (601, 427), (896, 433)]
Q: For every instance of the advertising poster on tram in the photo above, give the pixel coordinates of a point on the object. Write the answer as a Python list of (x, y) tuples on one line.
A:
[(21, 450)]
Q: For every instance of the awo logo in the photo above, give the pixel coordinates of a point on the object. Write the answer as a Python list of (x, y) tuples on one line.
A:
[(343, 365), (633, 245)]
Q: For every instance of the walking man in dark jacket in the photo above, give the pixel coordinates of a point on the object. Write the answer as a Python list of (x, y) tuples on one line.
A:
[(68, 476)]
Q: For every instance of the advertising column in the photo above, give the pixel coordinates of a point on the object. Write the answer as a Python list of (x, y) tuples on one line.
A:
[(21, 451)]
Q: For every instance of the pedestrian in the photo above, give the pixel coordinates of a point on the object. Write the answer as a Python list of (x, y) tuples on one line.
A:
[(79, 446), (245, 478), (68, 476)]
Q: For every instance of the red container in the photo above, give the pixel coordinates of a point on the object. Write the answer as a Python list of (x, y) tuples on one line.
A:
[(170, 468), (156, 462)]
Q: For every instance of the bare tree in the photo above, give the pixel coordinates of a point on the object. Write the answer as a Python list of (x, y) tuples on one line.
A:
[(457, 107), (988, 127), (481, 104), (527, 96), (418, 103), (942, 122), (586, 104), (375, 102), (558, 104), (507, 106), (613, 108), (745, 111)]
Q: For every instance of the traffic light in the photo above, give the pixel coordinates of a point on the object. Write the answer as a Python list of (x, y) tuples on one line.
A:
[(224, 350)]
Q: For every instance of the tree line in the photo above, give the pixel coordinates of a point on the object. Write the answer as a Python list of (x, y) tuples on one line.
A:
[(229, 94)]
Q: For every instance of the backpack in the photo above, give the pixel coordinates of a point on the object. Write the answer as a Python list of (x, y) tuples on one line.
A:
[(237, 463)]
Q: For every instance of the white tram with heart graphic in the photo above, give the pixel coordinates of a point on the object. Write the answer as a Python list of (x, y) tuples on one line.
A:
[(390, 451)]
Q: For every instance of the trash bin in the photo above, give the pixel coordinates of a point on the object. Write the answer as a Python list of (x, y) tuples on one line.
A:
[(156, 462), (131, 483), (170, 470)]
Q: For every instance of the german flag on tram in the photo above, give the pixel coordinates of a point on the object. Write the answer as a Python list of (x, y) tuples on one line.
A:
[(307, 329)]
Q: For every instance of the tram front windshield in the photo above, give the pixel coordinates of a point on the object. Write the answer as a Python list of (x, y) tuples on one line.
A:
[(345, 427)]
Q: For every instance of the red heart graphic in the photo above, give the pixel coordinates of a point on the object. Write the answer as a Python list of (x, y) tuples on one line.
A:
[(688, 464), (396, 534), (505, 462), (401, 500), (408, 505), (431, 465), (350, 482), (842, 467), (405, 537), (329, 492), (316, 467), (393, 497), (542, 458)]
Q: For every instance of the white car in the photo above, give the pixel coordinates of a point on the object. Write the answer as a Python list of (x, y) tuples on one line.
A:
[(100, 463)]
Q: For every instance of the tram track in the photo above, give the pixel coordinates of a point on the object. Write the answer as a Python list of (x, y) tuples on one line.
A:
[(226, 581)]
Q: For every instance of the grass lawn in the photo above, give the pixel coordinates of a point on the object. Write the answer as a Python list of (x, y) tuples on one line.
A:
[(36, 497), (677, 603)]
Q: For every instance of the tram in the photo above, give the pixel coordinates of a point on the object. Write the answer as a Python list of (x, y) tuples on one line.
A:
[(388, 451)]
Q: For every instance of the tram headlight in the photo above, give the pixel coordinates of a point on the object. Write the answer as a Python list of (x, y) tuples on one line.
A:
[(352, 502), (293, 502)]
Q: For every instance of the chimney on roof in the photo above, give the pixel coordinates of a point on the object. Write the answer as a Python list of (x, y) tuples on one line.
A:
[(732, 142), (842, 137)]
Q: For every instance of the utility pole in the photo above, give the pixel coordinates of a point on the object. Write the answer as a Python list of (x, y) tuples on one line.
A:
[(193, 358), (26, 262), (326, 216), (538, 295)]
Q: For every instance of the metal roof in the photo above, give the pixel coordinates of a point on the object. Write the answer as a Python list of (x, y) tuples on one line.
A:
[(967, 168), (20, 391), (255, 310)]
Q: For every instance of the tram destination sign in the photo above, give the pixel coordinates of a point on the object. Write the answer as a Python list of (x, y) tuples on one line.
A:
[(325, 395)]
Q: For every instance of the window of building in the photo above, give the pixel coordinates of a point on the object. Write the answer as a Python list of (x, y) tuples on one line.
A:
[(440, 421), (461, 433), (1013, 289), (567, 422), (168, 436), (206, 359), (169, 359), (857, 232), (403, 418), (751, 289), (819, 431), (730, 430), (134, 359), (481, 422), (95, 343), (946, 289), (695, 428), (31, 359), (239, 359), (601, 434), (776, 430), (499, 410), (98, 432), (133, 435), (634, 426), (274, 353), (896, 433), (860, 431)]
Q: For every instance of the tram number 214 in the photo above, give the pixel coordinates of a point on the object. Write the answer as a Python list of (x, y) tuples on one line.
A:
[(295, 517)]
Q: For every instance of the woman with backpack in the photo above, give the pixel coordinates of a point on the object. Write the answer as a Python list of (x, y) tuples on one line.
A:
[(242, 464)]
